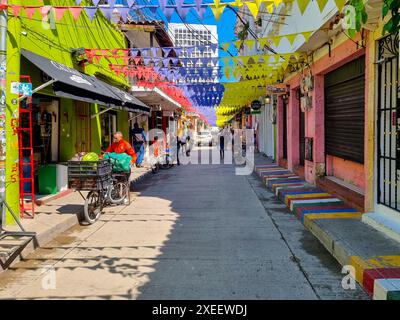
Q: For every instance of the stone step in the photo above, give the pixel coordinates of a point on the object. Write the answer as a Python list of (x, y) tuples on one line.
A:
[(388, 224), (352, 197)]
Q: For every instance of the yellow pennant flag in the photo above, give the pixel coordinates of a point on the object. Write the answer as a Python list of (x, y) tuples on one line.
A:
[(245, 59), (270, 8), (340, 4), (322, 4), (262, 42), (237, 3), (249, 44), (256, 58), (226, 46), (253, 8), (276, 40), (227, 72), (237, 44), (306, 35), (258, 2), (226, 60), (277, 2), (217, 10), (291, 38), (302, 4)]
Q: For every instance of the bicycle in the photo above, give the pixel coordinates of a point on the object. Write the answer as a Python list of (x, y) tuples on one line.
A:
[(162, 162), (105, 187)]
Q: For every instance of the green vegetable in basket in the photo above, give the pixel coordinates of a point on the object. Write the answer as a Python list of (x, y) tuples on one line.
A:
[(91, 156), (119, 161)]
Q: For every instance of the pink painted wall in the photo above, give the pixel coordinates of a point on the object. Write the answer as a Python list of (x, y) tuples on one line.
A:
[(293, 116), (314, 118), (349, 171), (279, 129)]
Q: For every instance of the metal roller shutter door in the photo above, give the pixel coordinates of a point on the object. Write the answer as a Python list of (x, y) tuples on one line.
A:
[(344, 111)]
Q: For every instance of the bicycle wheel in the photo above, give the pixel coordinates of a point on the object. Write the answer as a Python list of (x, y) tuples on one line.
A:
[(93, 207), (155, 168), (119, 192), (167, 164)]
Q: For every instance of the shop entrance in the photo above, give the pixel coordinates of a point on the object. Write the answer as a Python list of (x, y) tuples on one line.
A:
[(388, 131), (302, 133), (83, 127), (284, 144), (45, 129), (108, 127)]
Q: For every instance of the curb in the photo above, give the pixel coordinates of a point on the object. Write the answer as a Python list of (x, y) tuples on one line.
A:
[(376, 260)]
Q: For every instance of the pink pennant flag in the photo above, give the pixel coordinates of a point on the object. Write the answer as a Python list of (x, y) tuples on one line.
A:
[(59, 12), (75, 11), (16, 10), (30, 11)]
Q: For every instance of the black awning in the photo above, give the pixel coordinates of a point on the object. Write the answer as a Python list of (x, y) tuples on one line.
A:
[(71, 83)]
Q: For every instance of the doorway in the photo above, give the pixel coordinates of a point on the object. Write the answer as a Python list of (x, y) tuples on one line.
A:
[(83, 127), (284, 142), (388, 131), (45, 129), (302, 133), (108, 124)]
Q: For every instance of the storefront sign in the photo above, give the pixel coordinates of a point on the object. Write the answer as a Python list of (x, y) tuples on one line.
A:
[(14, 87), (25, 89), (256, 105), (255, 111)]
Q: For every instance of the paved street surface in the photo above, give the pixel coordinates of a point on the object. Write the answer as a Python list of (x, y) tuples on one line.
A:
[(192, 232)]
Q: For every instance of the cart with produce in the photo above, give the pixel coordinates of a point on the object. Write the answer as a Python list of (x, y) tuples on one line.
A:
[(101, 186)]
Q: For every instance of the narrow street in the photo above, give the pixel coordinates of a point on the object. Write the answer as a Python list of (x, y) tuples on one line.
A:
[(192, 232)]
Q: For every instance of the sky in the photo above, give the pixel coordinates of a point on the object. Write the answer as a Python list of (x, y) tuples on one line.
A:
[(225, 28)]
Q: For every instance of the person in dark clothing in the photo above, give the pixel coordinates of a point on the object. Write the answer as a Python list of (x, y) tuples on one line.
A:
[(138, 138), (178, 147), (222, 145)]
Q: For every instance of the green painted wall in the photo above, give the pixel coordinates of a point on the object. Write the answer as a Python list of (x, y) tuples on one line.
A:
[(12, 170), (56, 41)]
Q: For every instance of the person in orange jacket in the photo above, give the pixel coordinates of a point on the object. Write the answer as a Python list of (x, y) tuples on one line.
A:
[(120, 146)]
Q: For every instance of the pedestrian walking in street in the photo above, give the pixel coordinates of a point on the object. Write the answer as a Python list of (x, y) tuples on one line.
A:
[(222, 144), (178, 147), (138, 138), (183, 142), (189, 140)]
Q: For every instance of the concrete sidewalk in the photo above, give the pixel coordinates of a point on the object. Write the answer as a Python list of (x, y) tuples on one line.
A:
[(375, 257), (58, 213)]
